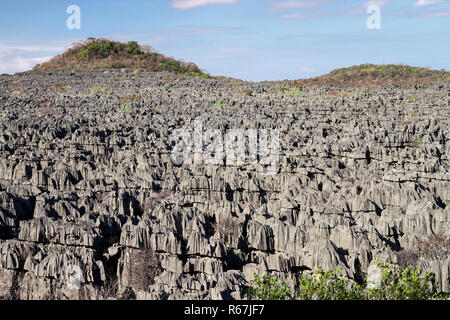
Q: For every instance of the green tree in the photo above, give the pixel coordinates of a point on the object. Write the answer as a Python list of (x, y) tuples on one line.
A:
[(399, 283), (269, 288)]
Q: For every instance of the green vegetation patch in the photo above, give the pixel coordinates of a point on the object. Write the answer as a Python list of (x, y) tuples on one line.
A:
[(106, 54), (295, 92), (369, 75), (123, 108), (98, 89), (396, 283), (129, 98), (36, 139)]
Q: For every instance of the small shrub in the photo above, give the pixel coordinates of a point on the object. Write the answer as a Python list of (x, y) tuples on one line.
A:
[(219, 104), (295, 92), (407, 257), (436, 247), (36, 139), (99, 197), (399, 283), (269, 288), (329, 285), (14, 290), (129, 98), (144, 267), (370, 75), (106, 54)]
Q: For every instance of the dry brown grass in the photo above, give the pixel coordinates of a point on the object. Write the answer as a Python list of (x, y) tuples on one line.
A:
[(129, 98), (149, 204), (14, 290), (349, 180), (62, 87), (47, 109), (435, 247), (407, 257)]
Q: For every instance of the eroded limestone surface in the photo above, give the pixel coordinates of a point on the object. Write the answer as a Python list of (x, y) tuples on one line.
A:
[(86, 178)]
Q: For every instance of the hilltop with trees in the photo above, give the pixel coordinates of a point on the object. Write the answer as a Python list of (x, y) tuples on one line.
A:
[(106, 54)]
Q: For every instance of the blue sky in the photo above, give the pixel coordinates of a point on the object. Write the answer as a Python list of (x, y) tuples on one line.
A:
[(247, 39)]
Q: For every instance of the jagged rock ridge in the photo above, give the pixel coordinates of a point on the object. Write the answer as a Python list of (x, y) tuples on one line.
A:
[(86, 179)]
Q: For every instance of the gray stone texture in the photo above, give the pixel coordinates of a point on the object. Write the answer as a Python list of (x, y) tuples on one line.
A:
[(86, 177)]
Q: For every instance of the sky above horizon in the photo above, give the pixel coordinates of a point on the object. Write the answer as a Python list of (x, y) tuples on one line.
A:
[(247, 39)]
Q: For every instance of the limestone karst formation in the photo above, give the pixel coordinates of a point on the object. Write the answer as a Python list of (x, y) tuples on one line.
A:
[(88, 189)]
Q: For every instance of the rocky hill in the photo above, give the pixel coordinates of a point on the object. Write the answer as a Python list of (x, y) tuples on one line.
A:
[(371, 75), (105, 54), (90, 190)]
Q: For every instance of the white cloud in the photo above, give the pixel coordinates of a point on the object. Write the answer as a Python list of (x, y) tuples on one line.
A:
[(189, 4), (40, 48), (362, 9), (193, 30), (425, 3), (23, 58), (320, 8), (435, 14), (228, 53)]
